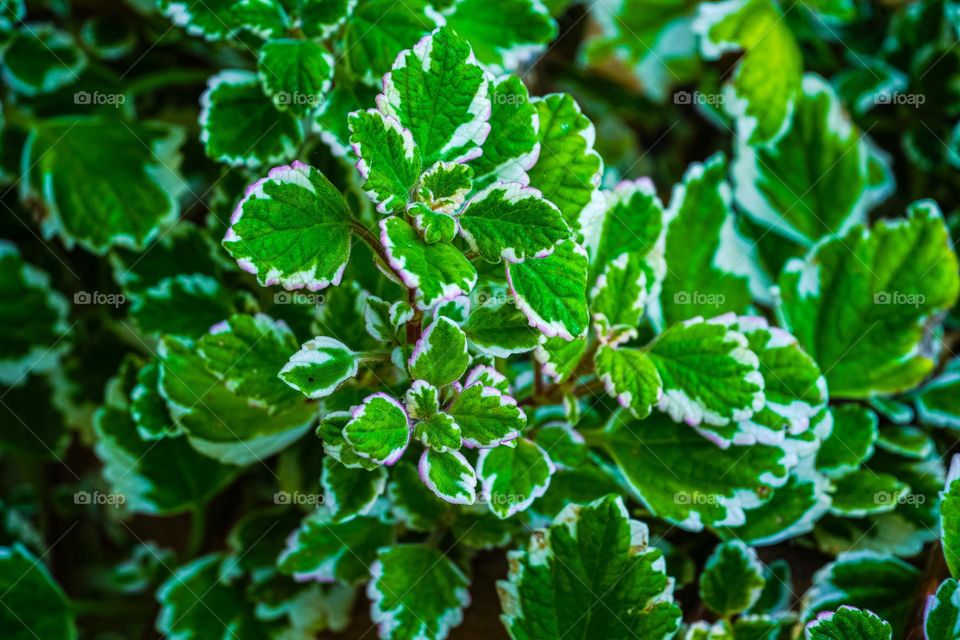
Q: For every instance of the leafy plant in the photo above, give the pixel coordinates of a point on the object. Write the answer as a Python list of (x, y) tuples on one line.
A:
[(388, 327)]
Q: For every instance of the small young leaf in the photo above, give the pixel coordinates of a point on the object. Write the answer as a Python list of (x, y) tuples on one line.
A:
[(630, 376), (320, 367), (512, 146), (439, 432), (440, 355), (449, 475), (732, 579), (388, 159), (486, 416), (618, 300), (444, 186), (437, 271), (293, 229), (379, 429), (513, 477), (511, 222), (500, 329)]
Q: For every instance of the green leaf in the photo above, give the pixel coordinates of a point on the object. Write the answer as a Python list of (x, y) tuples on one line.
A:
[(35, 317), (35, 605), (848, 623), (489, 377), (512, 222), (513, 145), (325, 551), (568, 169), (296, 74), (686, 479), (941, 615), (292, 228), (379, 429), (389, 161), (732, 579), (909, 442), (422, 400), (768, 76), (322, 18), (440, 355), (630, 376), (449, 475), (710, 376), (240, 126), (380, 29), (503, 45), (197, 601), (513, 477), (444, 187), (867, 580), (938, 401), (851, 441), (223, 389), (439, 92), (416, 593), (632, 224), (439, 432), (559, 357), (813, 181), (125, 206), (866, 492), (487, 417), (707, 268), (185, 305), (320, 367), (552, 291), (619, 298), (412, 502), (161, 476), (878, 290), (437, 271), (40, 58), (500, 329), (350, 492), (216, 20), (592, 574), (950, 518)]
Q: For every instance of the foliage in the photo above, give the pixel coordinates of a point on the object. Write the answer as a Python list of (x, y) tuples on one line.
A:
[(328, 318)]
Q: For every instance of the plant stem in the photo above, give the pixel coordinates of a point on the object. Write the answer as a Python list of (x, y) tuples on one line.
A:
[(198, 525)]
